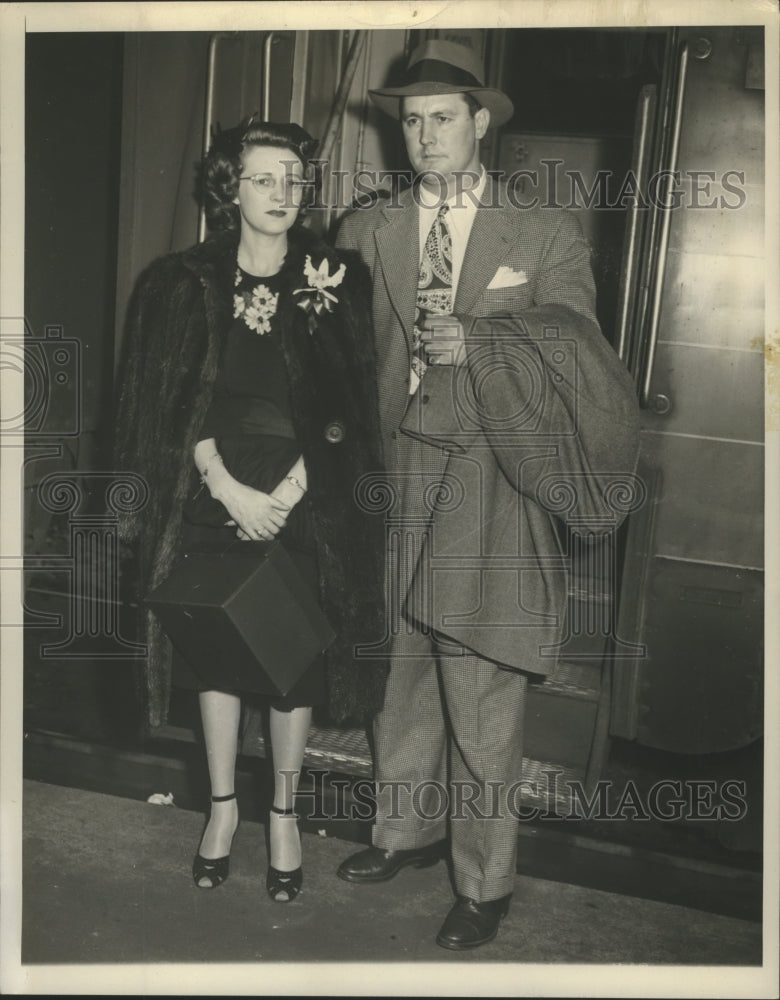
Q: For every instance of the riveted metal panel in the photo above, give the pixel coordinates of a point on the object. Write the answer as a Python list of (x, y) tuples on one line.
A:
[(714, 306), (700, 689), (711, 392), (708, 499), (733, 225)]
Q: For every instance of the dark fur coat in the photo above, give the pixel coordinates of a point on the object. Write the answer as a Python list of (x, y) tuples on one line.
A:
[(178, 317)]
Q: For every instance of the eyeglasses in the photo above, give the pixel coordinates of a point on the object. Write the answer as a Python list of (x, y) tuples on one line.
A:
[(265, 182)]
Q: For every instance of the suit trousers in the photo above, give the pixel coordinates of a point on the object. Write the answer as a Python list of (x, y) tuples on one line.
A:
[(448, 741)]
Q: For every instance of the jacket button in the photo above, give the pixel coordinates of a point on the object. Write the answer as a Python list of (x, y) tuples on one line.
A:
[(425, 397), (335, 432)]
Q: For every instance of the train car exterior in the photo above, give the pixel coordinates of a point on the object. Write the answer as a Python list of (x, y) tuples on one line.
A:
[(654, 138)]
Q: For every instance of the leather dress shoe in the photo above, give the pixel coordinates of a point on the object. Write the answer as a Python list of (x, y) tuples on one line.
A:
[(378, 865), (470, 924)]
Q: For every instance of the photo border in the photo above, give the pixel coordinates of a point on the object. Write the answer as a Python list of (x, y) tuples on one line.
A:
[(324, 978)]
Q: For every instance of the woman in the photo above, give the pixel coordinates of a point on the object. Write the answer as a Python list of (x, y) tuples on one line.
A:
[(254, 350)]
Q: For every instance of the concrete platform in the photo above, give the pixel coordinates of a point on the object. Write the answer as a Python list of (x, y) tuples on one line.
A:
[(106, 881)]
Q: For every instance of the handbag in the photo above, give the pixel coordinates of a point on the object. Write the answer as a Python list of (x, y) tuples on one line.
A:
[(245, 619)]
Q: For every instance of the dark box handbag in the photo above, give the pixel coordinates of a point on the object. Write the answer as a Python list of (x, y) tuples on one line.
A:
[(244, 619)]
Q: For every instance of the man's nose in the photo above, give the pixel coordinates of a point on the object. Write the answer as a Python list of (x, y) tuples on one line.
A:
[(427, 133)]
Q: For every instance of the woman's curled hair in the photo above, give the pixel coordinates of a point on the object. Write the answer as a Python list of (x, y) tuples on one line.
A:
[(222, 166)]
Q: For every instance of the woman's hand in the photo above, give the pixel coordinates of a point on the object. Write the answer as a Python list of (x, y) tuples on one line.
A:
[(287, 493), (257, 515), (292, 489)]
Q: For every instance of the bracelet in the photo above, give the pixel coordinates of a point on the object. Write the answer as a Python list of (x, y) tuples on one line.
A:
[(208, 463), (295, 482)]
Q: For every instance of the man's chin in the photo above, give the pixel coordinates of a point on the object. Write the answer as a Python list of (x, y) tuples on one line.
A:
[(435, 175)]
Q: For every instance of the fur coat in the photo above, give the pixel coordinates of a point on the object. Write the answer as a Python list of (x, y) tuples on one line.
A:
[(177, 321)]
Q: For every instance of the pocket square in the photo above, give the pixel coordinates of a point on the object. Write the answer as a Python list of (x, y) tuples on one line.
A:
[(506, 277)]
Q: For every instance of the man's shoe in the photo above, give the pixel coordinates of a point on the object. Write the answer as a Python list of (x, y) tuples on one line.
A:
[(377, 865), (470, 924)]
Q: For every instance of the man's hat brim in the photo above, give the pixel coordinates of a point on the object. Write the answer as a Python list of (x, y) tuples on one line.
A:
[(388, 99)]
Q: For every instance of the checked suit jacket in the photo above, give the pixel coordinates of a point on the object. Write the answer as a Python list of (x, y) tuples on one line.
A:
[(539, 425)]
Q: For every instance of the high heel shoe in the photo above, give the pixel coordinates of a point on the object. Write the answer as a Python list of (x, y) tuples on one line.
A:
[(283, 887), (216, 870)]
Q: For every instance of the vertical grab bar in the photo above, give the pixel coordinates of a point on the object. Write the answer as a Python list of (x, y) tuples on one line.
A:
[(666, 219), (640, 161), (340, 102), (267, 74), (336, 118), (208, 114), (300, 76)]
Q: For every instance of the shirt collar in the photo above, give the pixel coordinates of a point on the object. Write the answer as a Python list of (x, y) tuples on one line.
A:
[(431, 200)]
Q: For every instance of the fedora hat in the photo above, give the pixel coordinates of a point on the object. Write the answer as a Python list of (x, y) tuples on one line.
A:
[(438, 67)]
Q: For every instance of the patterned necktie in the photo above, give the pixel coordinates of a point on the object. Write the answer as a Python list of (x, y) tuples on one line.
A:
[(434, 288)]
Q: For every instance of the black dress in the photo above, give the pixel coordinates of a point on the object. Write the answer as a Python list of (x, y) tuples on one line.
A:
[(250, 417)]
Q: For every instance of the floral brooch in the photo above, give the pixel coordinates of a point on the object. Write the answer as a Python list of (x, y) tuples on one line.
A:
[(315, 299), (257, 306)]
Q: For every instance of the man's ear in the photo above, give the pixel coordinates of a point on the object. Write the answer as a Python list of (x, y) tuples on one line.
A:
[(481, 121)]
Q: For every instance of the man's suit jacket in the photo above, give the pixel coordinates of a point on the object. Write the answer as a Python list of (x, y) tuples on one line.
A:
[(540, 423)]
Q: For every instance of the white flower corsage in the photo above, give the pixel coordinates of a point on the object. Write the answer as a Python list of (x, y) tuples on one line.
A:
[(257, 307), (316, 299)]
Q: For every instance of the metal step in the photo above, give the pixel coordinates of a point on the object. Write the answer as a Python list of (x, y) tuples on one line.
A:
[(573, 680), (547, 785)]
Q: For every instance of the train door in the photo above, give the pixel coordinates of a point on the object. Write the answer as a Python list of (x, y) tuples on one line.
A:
[(692, 334), (655, 139)]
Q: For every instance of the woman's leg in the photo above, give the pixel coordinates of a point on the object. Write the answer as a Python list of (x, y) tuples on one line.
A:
[(289, 731), (220, 713)]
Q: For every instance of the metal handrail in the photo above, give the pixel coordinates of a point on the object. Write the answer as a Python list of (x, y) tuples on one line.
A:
[(336, 118), (648, 254), (267, 74), (208, 114), (640, 160), (666, 219), (339, 105)]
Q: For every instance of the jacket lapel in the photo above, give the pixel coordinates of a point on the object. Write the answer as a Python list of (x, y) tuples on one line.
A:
[(492, 235), (397, 244)]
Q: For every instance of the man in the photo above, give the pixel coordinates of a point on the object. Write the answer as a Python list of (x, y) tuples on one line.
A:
[(497, 390)]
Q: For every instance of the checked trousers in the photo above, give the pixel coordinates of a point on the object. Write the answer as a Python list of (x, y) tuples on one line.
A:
[(448, 741)]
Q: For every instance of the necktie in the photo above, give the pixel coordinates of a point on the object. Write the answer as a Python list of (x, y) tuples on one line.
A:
[(434, 287)]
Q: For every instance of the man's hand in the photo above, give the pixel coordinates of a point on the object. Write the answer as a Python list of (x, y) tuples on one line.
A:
[(443, 340)]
